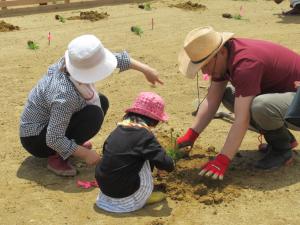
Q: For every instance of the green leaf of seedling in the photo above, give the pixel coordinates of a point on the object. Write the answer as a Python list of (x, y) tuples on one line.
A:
[(147, 7), (62, 19), (239, 17), (32, 45), (137, 30), (175, 154)]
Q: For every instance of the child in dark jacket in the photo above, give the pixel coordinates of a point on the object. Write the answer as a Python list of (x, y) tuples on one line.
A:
[(124, 173)]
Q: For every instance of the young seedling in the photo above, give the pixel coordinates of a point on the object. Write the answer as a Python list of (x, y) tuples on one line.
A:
[(173, 151), (60, 18), (237, 17), (240, 15), (137, 30), (147, 7), (32, 45)]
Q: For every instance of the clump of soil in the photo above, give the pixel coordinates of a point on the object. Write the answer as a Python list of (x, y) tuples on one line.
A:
[(90, 15), (227, 15), (184, 184), (190, 6), (4, 27)]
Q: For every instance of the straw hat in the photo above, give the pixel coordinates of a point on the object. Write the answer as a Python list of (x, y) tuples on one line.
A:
[(88, 61), (200, 45), (149, 104)]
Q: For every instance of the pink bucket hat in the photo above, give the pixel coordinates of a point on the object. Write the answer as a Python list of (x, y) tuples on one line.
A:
[(149, 104)]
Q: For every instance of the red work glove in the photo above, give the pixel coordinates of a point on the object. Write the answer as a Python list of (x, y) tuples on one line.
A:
[(216, 168), (188, 139)]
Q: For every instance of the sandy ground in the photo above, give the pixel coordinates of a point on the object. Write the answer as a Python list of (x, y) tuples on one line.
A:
[(29, 194)]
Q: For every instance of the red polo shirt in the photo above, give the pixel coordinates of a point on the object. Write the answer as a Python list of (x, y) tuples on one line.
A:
[(258, 67)]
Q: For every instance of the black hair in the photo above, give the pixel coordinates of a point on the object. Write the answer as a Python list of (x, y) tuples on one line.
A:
[(227, 44), (138, 117)]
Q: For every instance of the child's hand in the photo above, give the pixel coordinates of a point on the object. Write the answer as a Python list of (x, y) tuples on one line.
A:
[(92, 158)]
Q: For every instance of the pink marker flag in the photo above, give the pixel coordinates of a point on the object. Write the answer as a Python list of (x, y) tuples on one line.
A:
[(86, 184), (49, 38), (241, 11), (205, 76)]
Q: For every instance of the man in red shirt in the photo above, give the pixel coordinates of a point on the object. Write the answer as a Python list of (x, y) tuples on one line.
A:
[(262, 75)]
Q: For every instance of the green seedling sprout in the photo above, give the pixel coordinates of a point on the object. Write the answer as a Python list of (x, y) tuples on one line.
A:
[(147, 7), (32, 45), (137, 30), (240, 15), (237, 17), (60, 18), (173, 151)]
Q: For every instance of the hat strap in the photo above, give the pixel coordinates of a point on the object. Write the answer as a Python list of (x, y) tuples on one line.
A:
[(206, 57)]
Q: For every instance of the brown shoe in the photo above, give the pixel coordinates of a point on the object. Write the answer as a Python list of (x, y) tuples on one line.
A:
[(60, 167)]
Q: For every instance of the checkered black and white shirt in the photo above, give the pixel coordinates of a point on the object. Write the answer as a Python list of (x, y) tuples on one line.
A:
[(52, 102)]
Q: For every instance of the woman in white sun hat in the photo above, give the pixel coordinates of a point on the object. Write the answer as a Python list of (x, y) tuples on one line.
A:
[(64, 110)]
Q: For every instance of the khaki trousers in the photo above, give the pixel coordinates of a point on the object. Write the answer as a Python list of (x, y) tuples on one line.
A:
[(267, 110)]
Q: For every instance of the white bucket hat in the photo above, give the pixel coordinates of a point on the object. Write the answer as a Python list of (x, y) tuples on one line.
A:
[(200, 45), (88, 61)]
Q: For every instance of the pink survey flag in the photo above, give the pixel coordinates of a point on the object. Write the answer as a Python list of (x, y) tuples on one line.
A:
[(49, 38), (205, 76), (241, 11)]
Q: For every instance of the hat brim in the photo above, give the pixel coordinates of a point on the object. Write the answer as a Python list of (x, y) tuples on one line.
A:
[(189, 69), (164, 117), (96, 73)]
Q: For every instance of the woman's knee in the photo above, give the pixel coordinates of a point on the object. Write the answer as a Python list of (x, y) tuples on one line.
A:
[(104, 103), (35, 147), (94, 117)]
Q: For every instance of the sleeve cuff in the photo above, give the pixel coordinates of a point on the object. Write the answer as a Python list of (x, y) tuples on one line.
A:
[(66, 153), (123, 59)]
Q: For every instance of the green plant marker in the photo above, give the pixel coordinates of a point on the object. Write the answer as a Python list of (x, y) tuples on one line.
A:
[(137, 30), (32, 45)]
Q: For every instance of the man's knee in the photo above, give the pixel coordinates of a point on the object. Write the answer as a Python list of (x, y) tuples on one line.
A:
[(261, 107), (265, 114)]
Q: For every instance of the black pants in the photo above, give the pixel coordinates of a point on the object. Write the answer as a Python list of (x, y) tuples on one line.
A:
[(84, 125)]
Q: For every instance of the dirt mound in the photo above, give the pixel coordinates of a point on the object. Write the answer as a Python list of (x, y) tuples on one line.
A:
[(184, 184), (4, 27), (90, 15), (190, 6)]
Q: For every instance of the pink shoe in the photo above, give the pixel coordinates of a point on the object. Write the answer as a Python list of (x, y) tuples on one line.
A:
[(88, 144), (60, 167)]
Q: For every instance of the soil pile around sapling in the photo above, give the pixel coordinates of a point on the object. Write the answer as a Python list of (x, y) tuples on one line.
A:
[(90, 15), (190, 6), (185, 183), (4, 27)]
